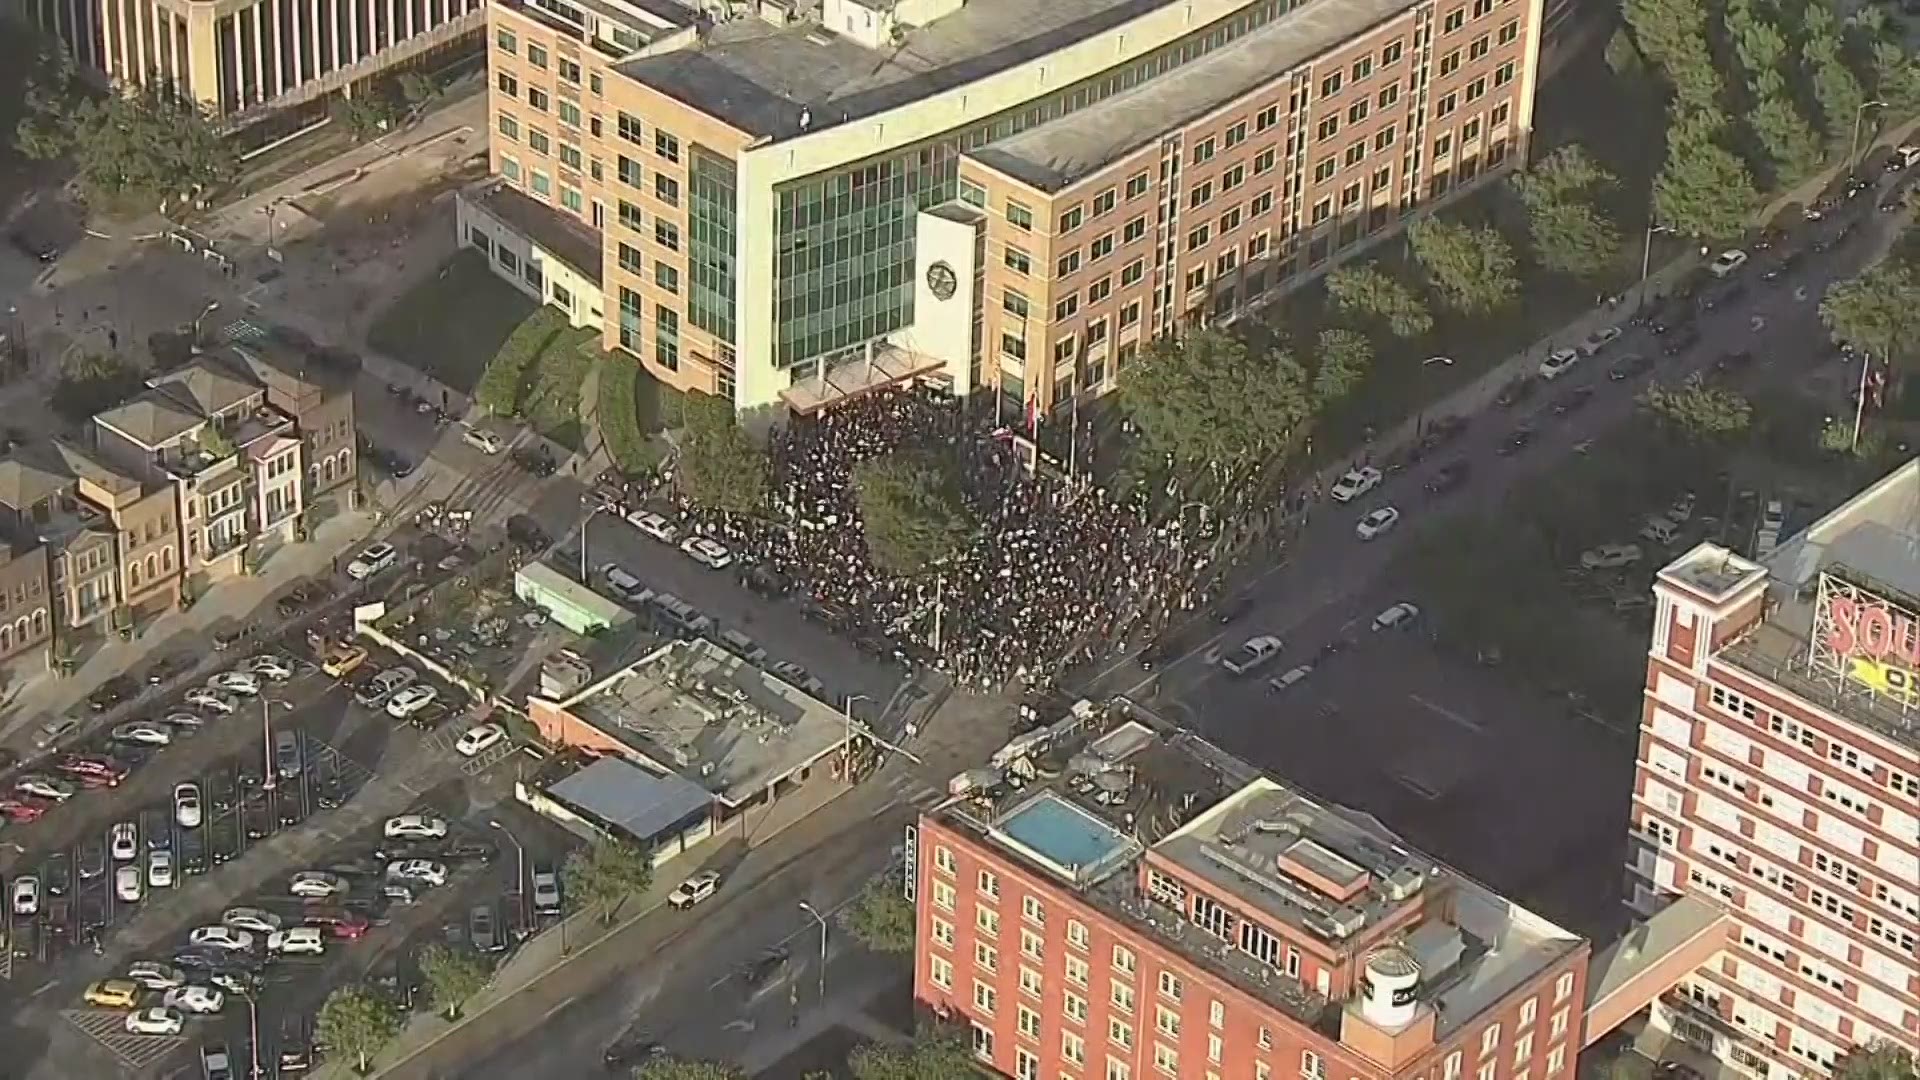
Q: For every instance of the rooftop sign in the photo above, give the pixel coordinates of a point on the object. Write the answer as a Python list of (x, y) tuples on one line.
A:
[(1868, 639)]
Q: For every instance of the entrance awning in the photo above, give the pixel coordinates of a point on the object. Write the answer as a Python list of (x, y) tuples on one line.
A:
[(886, 365)]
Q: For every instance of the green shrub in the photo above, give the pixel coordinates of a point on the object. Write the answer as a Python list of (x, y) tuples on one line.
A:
[(505, 379)]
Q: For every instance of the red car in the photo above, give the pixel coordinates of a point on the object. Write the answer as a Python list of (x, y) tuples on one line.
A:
[(92, 765), (338, 923), (21, 809)]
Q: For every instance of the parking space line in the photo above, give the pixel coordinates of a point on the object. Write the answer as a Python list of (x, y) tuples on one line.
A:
[(108, 1028)]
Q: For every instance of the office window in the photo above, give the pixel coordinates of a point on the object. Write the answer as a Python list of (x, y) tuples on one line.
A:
[(507, 40), (987, 921), (666, 145), (1382, 177), (1476, 89), (982, 1037), (667, 277), (940, 972), (1029, 982), (1330, 85), (1268, 117), (972, 194), (1068, 263), (509, 127), (1133, 272), (542, 183), (595, 84), (1391, 54), (1469, 131), (1199, 195), (1028, 1022), (942, 931), (1199, 237), (1230, 220), (1257, 247), (508, 85), (1455, 19), (1077, 971), (986, 957), (984, 997), (1362, 68), (1261, 203), (1128, 316), (1105, 202), (1450, 63), (538, 98), (537, 56), (1489, 1039), (1442, 146), (1136, 185), (1328, 128), (1356, 153), (538, 140), (1357, 111), (1503, 74), (1324, 171), (1073, 1048), (569, 114), (943, 896), (1322, 210), (629, 258), (1383, 138), (1202, 151), (1479, 47), (1120, 1032), (1236, 135), (1076, 933), (1070, 220), (666, 189), (628, 170), (1066, 306), (1447, 105), (1019, 216), (1389, 94), (1133, 230), (1263, 161), (1196, 278), (1014, 303), (1099, 290), (1509, 32), (629, 127), (1018, 261), (1101, 247), (1499, 115), (943, 859), (1233, 178), (666, 234)]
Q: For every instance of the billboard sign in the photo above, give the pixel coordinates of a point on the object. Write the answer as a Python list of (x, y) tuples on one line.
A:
[(1867, 639)]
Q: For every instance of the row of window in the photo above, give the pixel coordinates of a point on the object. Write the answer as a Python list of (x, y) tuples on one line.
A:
[(508, 41), (1837, 752)]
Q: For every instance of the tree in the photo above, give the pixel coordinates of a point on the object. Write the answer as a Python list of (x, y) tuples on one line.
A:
[(1700, 410), (1760, 44), (1879, 1060), (881, 918), (453, 977), (1204, 401), (358, 1021), (1879, 311), (215, 444), (606, 875), (1568, 172), (1366, 289), (417, 88), (1790, 141), (1341, 363), (1472, 268), (143, 144), (935, 1055), (1834, 85), (1703, 190), (1574, 238), (92, 383), (721, 467), (676, 1069), (369, 110), (617, 412), (1673, 35), (913, 511), (1896, 77)]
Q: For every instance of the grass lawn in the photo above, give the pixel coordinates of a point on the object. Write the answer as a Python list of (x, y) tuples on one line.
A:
[(451, 324)]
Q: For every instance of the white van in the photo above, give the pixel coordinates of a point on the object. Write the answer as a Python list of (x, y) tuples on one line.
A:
[(1660, 530)]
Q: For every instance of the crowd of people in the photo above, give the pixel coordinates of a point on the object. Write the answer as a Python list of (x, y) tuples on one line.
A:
[(1058, 571)]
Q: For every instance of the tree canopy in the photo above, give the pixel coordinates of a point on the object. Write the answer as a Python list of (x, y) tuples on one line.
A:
[(453, 976), (606, 875), (1570, 234), (912, 509), (1471, 267), (1878, 311), (881, 918), (1204, 399), (1880, 1060), (358, 1021), (1704, 191), (932, 1055), (90, 383), (1700, 410), (146, 143), (721, 467), (1366, 289), (1340, 364)]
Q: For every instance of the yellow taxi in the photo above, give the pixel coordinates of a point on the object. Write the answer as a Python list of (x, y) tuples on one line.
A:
[(341, 659), (114, 994)]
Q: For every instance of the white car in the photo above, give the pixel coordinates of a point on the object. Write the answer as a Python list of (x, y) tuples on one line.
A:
[(415, 827), (212, 700), (1378, 523), (159, 869), (1355, 484), (128, 885), (1402, 614), (411, 700), (1252, 655), (251, 919), (546, 891), (243, 683), (153, 975), (199, 1000), (425, 871), (1599, 340), (123, 840), (694, 889), (155, 1021), (44, 787), (481, 439), (371, 561), (708, 553), (187, 723), (480, 739), (142, 733), (277, 668), (222, 937), (298, 941), (1287, 678), (1558, 363), (186, 805), (316, 884), (26, 895), (1610, 556), (654, 525), (1727, 262)]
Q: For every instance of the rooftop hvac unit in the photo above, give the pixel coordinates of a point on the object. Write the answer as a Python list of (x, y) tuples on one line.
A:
[(1389, 995), (1403, 883), (1339, 924)]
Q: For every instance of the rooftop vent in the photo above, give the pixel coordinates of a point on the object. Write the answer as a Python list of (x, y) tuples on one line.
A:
[(1403, 883)]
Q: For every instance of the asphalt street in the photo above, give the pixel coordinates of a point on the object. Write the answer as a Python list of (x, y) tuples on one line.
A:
[(1568, 785)]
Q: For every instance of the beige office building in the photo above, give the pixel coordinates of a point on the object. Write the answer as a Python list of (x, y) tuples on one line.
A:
[(788, 201), (245, 57)]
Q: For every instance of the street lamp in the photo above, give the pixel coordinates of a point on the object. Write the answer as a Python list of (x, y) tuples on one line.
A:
[(808, 908), (846, 713), (212, 306), (1646, 259), (584, 522), (266, 748), (253, 1033), (519, 868), (1853, 147)]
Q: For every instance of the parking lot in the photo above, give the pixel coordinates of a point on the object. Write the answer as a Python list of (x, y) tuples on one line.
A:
[(155, 825)]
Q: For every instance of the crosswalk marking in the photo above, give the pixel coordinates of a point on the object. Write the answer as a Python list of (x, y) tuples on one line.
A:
[(243, 330), (912, 788), (109, 1028)]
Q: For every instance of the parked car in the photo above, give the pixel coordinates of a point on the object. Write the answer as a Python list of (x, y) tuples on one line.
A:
[(1558, 363), (214, 700), (415, 827), (340, 659), (1355, 484), (411, 700), (112, 994), (372, 560), (654, 525), (251, 919), (42, 786), (195, 998), (152, 975), (695, 889), (481, 439), (1287, 679), (483, 929), (546, 890), (275, 668), (142, 733), (26, 896), (222, 937), (297, 941), (158, 1020), (480, 739), (123, 841), (288, 761), (337, 922), (314, 883), (160, 869), (216, 1063), (709, 553), (1610, 556), (1727, 262), (1253, 654), (1401, 614), (422, 871), (1598, 340), (186, 805), (381, 685)]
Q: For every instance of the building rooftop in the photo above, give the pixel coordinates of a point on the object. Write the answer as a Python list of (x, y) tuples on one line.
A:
[(694, 709), (1060, 152), (759, 78), (85, 466), (555, 232), (619, 794), (1091, 798), (1713, 572), (1865, 551), (24, 484), (206, 386), (151, 420)]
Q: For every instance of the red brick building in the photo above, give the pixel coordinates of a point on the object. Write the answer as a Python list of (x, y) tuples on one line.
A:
[(1779, 776), (1144, 906)]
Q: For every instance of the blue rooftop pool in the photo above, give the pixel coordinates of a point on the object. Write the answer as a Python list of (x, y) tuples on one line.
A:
[(1077, 844)]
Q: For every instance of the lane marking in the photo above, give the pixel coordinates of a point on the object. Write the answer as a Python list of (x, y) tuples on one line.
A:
[(1464, 721)]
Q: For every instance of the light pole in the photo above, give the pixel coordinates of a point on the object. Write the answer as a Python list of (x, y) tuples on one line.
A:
[(1853, 146), (584, 522), (267, 778), (846, 713), (519, 870), (212, 306), (821, 919), (253, 1034), (1646, 259), (1860, 402)]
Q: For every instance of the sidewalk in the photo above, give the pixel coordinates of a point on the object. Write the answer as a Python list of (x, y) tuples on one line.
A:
[(44, 695), (566, 960)]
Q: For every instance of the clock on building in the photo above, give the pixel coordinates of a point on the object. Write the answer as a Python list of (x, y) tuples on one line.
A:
[(941, 279)]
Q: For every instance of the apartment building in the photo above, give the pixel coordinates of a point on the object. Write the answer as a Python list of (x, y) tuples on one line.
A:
[(244, 58), (319, 400), (1779, 776), (231, 458), (796, 201), (1116, 898), (24, 622), (103, 543)]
